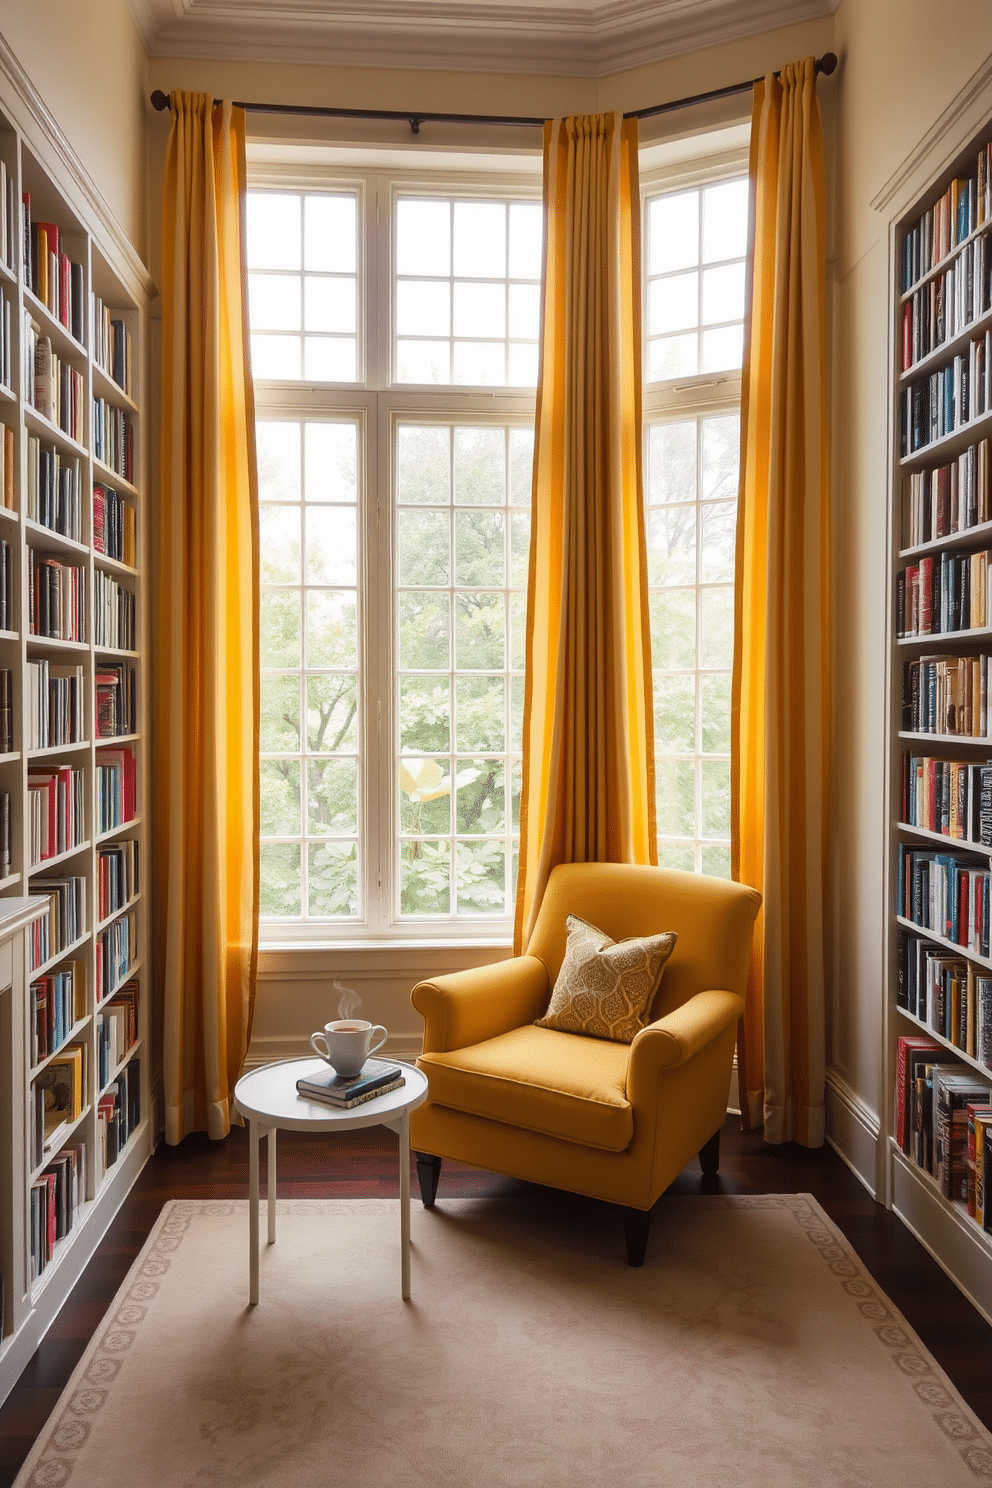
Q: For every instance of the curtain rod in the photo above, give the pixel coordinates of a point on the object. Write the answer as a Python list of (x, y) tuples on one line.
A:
[(825, 65)]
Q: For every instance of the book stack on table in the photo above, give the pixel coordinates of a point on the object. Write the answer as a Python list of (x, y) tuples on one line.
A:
[(343, 1092)]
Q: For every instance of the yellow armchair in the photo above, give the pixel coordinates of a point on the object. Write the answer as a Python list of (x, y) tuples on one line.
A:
[(613, 1121)]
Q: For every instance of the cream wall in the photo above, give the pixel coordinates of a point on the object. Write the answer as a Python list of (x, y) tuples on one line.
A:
[(88, 64), (902, 63)]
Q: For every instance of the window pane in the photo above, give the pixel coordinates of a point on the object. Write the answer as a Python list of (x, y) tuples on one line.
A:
[(423, 236), (721, 457), (330, 228), (273, 229), (332, 713), (521, 466), (425, 714), (480, 239), (480, 467), (332, 631), (725, 220), (480, 548), (525, 311), (281, 636), (425, 797), (716, 798), (676, 797), (329, 305), (672, 545), (424, 625), (719, 535), (423, 307), (425, 878), (673, 231), (423, 361), (331, 358), (278, 447), (673, 304), (723, 293), (480, 713), (673, 628), (480, 629), (332, 796), (281, 880), (423, 464), (673, 356), (480, 310), (479, 363), (280, 797), (274, 301), (332, 874), (526, 240), (716, 713), (280, 713), (424, 541), (717, 607), (481, 871), (672, 461), (275, 357), (331, 461), (331, 545), (723, 349), (522, 365), (279, 544), (675, 713)]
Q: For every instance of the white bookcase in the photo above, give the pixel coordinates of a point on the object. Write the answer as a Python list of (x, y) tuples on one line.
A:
[(940, 693), (102, 851)]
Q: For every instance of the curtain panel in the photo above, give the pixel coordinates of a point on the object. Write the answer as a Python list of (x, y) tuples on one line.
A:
[(780, 708), (206, 802), (588, 736)]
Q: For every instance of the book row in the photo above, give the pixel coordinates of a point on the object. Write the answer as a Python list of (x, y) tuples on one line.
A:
[(114, 525), (10, 227), (54, 387), (116, 953), (948, 695), (7, 466), (56, 1198), (53, 704), (117, 880), (47, 935), (114, 788), (944, 593), (55, 489), (119, 1113), (6, 363), (965, 206), (56, 598), (948, 498), (6, 586), (114, 614), (948, 398), (57, 1002), (55, 812), (111, 344), (947, 894), (116, 701), (116, 1031), (113, 438), (50, 275), (938, 1101), (58, 1097), (948, 994), (953, 797), (945, 306)]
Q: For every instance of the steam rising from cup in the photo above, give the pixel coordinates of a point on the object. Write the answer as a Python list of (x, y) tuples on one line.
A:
[(349, 1001)]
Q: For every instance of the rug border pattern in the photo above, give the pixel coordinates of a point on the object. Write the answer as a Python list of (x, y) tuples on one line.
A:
[(53, 1459)]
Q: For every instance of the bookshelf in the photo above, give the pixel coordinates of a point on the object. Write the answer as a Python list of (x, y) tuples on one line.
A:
[(75, 1077), (940, 710)]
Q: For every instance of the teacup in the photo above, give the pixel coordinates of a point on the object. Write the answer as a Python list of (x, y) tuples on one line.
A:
[(347, 1043)]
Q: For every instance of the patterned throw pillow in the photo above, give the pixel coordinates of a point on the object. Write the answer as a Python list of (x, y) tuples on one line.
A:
[(605, 988)]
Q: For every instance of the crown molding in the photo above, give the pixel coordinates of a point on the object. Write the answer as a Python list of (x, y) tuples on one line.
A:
[(584, 39), (928, 159)]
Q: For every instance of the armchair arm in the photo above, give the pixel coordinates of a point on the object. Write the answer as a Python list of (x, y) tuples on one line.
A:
[(466, 1007), (674, 1039)]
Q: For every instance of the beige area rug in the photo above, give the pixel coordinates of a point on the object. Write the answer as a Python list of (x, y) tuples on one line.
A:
[(751, 1349)]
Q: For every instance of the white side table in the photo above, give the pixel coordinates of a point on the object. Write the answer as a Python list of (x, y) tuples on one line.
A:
[(268, 1098)]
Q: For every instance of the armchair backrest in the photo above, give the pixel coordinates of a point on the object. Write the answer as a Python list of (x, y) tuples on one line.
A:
[(713, 918)]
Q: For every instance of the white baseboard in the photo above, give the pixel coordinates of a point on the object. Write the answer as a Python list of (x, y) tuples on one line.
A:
[(854, 1132)]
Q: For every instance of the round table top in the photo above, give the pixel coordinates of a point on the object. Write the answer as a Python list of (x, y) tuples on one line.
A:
[(269, 1095)]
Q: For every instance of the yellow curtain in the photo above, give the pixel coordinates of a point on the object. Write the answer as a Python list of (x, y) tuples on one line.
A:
[(206, 626), (780, 759), (588, 738)]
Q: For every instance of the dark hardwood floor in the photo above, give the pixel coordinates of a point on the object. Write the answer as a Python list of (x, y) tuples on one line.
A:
[(363, 1165)]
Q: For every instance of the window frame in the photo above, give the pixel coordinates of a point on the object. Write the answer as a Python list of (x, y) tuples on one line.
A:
[(705, 394), (378, 404)]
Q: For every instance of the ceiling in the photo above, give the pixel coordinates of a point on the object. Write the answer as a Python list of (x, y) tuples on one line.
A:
[(584, 38)]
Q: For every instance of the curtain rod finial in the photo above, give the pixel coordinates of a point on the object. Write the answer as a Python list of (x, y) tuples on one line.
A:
[(827, 63), (160, 100)]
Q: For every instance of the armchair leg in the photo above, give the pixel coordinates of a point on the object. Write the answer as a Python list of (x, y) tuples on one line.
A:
[(709, 1155), (636, 1226), (428, 1171)]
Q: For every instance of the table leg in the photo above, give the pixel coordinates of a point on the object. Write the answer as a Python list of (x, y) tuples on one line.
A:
[(405, 1203), (270, 1175), (253, 1135)]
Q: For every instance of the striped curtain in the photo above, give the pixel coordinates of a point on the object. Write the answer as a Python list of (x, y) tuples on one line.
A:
[(780, 720), (588, 768), (206, 805)]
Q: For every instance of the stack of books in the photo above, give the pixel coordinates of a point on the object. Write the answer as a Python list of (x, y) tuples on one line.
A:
[(345, 1091)]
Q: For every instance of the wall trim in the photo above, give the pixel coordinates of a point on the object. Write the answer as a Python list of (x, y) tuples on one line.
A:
[(854, 1132), (590, 40), (961, 119), (46, 139)]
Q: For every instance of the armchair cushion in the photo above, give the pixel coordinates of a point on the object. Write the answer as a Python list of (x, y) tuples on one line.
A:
[(605, 988), (541, 1080)]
